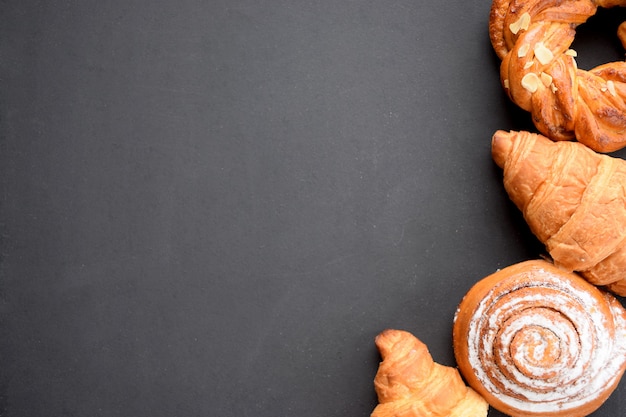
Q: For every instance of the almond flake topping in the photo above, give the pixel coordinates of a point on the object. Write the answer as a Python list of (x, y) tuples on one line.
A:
[(572, 53), (531, 82), (523, 50), (546, 79), (528, 64), (543, 54), (506, 83), (610, 85), (520, 24)]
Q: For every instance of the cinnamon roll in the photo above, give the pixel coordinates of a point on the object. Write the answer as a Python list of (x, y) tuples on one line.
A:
[(535, 340)]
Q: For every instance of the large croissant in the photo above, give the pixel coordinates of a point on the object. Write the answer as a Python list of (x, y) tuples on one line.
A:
[(410, 384), (574, 201)]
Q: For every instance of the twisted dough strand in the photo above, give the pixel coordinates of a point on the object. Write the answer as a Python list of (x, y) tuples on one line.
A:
[(540, 75)]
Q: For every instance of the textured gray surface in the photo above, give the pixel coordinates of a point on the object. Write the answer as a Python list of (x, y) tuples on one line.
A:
[(211, 208)]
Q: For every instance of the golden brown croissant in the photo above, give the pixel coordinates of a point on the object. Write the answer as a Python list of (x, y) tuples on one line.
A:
[(539, 71), (410, 384), (574, 201), (535, 340)]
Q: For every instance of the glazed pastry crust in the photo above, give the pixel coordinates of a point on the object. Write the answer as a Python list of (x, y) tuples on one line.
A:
[(410, 384), (535, 340), (573, 200), (539, 71)]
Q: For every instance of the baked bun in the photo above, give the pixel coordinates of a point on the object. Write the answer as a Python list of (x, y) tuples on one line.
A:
[(535, 340), (539, 71)]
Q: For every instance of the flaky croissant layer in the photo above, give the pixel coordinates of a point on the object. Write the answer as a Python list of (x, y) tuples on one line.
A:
[(410, 384), (573, 200)]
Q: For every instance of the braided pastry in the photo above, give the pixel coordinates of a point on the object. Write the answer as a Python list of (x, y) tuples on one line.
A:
[(539, 72), (535, 340), (410, 384), (573, 200)]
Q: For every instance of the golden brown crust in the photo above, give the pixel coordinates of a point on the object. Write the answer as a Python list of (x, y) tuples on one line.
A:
[(539, 71), (410, 384), (535, 340), (573, 200)]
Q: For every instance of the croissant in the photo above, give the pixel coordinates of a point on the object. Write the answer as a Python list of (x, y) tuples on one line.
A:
[(535, 340), (410, 384), (573, 200), (539, 71)]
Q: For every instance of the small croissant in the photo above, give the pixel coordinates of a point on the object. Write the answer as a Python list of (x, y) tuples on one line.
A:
[(574, 201), (410, 384)]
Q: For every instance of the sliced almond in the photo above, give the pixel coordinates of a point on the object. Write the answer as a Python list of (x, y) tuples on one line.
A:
[(520, 24), (546, 79), (528, 65), (531, 82), (523, 50), (610, 85), (553, 88), (543, 54), (571, 52), (506, 83)]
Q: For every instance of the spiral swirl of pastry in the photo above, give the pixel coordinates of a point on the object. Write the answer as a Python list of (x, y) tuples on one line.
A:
[(540, 75), (534, 340)]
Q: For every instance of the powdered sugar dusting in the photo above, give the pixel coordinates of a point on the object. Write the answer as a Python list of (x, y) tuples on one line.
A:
[(546, 346)]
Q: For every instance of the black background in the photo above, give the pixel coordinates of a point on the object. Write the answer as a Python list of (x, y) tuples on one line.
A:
[(212, 207)]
